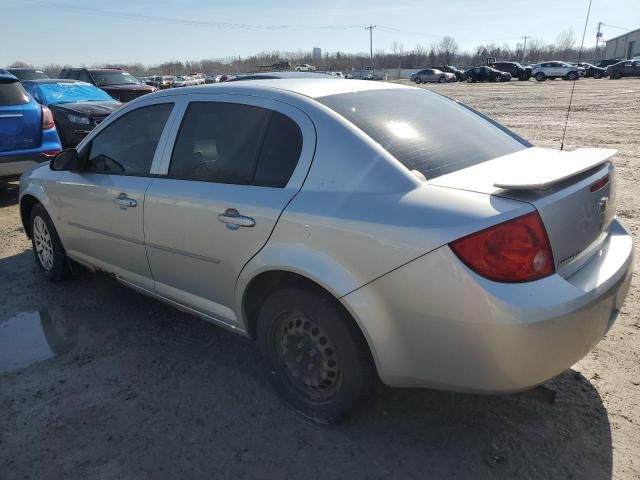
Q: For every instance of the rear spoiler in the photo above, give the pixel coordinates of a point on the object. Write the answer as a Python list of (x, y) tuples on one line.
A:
[(540, 168)]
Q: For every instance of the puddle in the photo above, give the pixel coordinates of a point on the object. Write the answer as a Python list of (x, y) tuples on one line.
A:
[(31, 337)]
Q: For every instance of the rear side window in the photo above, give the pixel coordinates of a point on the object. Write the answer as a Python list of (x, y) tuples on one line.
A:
[(424, 131), (127, 146), (12, 93), (234, 143)]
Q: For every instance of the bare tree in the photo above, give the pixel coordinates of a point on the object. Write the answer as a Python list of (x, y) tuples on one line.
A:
[(448, 48), (20, 64), (565, 42)]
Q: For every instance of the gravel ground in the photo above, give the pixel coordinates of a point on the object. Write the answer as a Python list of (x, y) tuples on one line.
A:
[(138, 390)]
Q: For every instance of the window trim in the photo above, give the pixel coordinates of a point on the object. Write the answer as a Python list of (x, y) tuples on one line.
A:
[(306, 126)]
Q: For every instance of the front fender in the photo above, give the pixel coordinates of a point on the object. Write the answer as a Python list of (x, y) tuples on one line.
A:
[(34, 184)]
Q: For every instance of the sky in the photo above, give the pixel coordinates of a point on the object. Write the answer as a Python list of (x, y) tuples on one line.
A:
[(94, 32)]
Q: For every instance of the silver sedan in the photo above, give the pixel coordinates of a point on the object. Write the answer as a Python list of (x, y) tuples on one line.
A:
[(347, 232), (432, 75)]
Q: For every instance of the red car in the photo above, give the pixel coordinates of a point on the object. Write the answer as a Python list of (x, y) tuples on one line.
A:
[(116, 82)]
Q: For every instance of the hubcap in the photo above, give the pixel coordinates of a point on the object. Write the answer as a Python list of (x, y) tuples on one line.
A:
[(308, 357), (42, 241)]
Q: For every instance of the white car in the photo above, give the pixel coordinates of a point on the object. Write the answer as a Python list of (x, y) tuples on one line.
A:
[(305, 67), (553, 70)]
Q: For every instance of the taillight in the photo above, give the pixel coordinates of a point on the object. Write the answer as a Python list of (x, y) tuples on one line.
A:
[(514, 251), (47, 118)]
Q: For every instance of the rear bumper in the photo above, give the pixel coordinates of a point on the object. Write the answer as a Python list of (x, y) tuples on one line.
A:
[(12, 166), (434, 323)]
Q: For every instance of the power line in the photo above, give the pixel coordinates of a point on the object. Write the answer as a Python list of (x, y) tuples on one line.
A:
[(187, 22)]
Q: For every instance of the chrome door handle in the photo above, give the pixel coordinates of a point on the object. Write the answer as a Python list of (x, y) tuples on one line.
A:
[(125, 202), (232, 218)]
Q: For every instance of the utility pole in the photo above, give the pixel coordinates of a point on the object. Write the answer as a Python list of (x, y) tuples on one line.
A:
[(524, 49), (598, 37), (370, 28)]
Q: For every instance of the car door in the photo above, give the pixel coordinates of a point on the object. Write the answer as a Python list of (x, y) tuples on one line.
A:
[(101, 207), (233, 166), (635, 70)]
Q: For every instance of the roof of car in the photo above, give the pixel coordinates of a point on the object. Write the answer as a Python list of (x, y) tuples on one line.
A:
[(281, 75), (7, 76), (40, 81), (309, 87)]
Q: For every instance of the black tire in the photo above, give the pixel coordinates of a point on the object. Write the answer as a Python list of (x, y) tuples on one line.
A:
[(597, 75), (615, 75), (572, 76), (523, 77), (442, 79), (540, 77), (298, 325), (57, 268), (470, 79), (418, 81)]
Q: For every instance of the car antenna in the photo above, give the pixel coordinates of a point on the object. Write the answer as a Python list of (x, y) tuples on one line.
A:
[(566, 120)]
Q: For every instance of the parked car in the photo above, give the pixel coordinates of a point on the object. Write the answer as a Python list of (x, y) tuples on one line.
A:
[(184, 81), (514, 68), (305, 67), (118, 83), (26, 73), (277, 75), (212, 79), (166, 81), (486, 74), (27, 132), (552, 70), (432, 75), (610, 61), (270, 230), (77, 107), (153, 81), (590, 70), (451, 69), (626, 68)]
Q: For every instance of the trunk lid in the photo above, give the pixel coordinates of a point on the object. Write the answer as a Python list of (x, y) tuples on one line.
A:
[(574, 192)]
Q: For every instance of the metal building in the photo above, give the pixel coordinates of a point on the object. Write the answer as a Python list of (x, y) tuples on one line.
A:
[(624, 47)]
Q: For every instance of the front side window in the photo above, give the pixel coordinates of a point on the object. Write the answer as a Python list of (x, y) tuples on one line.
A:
[(424, 131), (234, 143), (127, 146)]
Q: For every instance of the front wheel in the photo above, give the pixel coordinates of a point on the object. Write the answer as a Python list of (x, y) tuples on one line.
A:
[(469, 79), (597, 75), (572, 76), (47, 248), (540, 77), (319, 361), (441, 79), (615, 75), (417, 80)]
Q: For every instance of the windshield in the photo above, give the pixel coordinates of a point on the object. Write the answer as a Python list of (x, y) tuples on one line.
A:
[(54, 93), (425, 131), (27, 74), (114, 78)]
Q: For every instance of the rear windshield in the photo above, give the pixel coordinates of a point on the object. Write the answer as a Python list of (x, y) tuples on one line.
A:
[(423, 130), (12, 93), (104, 78), (29, 74)]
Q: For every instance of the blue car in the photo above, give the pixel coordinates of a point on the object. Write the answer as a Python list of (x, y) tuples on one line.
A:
[(28, 134)]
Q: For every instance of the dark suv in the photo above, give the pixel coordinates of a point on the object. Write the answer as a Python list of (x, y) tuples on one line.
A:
[(625, 68), (514, 68), (116, 82)]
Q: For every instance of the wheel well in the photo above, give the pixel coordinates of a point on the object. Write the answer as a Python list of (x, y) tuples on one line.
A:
[(26, 204), (263, 285)]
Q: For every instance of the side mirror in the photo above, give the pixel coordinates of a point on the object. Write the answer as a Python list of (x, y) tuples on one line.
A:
[(67, 160)]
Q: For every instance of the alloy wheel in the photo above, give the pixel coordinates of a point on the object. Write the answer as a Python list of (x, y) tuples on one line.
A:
[(42, 242)]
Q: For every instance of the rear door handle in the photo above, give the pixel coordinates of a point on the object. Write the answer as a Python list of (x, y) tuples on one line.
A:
[(125, 202), (233, 220)]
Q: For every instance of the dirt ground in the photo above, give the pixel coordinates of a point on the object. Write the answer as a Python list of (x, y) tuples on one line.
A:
[(127, 387)]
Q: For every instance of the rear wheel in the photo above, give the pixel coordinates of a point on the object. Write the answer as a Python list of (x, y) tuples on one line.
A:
[(418, 81), (540, 77), (319, 361), (47, 248), (572, 76), (442, 79), (597, 75)]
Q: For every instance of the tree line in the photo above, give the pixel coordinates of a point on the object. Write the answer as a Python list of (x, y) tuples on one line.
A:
[(445, 52)]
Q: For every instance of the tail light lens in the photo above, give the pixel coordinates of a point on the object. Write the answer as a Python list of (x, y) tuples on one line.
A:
[(514, 251), (47, 118)]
